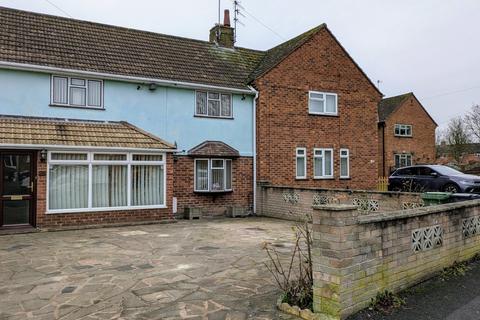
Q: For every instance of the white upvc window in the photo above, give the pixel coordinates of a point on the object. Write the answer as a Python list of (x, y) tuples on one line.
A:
[(403, 160), (76, 92), (322, 163), (301, 163), (322, 103), (213, 104), (403, 130), (213, 175), (100, 181), (344, 163)]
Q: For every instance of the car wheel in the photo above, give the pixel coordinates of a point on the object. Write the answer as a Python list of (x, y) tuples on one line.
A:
[(451, 188)]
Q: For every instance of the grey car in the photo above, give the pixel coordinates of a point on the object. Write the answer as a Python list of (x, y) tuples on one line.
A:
[(423, 178)]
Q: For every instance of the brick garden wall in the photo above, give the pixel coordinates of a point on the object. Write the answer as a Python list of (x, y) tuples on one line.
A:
[(213, 204), (296, 203), (283, 121), (355, 256), (422, 143), (58, 221)]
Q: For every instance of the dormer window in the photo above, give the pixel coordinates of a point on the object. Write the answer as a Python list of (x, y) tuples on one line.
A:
[(403, 130), (77, 92), (322, 103), (213, 104)]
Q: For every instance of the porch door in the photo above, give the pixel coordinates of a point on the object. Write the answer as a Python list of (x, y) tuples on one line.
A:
[(16, 189)]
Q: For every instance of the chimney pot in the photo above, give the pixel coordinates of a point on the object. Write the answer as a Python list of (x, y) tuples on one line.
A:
[(226, 18)]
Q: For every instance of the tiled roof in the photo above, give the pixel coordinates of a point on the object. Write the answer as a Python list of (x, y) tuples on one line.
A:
[(388, 105), (213, 149), (52, 41), (39, 39), (63, 132)]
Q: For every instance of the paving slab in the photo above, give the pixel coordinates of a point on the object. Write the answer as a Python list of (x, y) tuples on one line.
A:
[(207, 269)]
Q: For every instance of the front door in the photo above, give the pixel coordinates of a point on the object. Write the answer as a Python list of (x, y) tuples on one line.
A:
[(16, 189)]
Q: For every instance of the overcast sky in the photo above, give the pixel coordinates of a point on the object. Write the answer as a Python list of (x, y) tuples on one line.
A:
[(430, 47)]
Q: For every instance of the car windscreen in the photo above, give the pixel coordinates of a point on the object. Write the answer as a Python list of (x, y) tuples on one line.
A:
[(447, 171)]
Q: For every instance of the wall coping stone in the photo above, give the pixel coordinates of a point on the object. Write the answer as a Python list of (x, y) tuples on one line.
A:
[(417, 212), (391, 193), (335, 207)]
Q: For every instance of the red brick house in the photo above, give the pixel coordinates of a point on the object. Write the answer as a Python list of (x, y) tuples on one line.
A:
[(316, 115), (406, 134)]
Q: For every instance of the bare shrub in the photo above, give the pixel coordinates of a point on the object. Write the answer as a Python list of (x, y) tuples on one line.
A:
[(294, 277)]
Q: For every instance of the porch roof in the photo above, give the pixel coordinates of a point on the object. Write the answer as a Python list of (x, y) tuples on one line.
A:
[(44, 132)]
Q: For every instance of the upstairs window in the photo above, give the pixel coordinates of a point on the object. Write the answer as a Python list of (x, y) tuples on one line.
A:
[(403, 130), (322, 103), (213, 175), (213, 104), (77, 92)]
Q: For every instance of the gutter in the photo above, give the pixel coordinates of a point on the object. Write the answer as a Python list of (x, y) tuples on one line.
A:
[(108, 76), (86, 148), (254, 150)]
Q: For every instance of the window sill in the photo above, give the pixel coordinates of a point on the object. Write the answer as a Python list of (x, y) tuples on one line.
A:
[(93, 210), (213, 192), (399, 136), (324, 114), (76, 107), (213, 117), (345, 178), (300, 179), (323, 178)]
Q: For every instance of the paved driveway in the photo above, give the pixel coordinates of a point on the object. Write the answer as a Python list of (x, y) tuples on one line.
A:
[(188, 270)]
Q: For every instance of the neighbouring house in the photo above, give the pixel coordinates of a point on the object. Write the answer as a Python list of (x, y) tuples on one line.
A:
[(468, 156), (303, 111), (406, 134), (316, 115)]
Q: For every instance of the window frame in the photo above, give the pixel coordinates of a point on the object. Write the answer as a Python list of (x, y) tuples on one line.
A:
[(347, 156), (406, 155), (209, 175), (323, 177), (70, 85), (90, 162), (401, 127), (207, 92), (304, 156), (324, 99)]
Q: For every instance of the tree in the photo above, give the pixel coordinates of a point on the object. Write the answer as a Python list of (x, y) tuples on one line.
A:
[(472, 122), (457, 137)]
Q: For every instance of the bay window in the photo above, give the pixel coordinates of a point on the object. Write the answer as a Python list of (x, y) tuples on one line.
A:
[(86, 181), (213, 175)]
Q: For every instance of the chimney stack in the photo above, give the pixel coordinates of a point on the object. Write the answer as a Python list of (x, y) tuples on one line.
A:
[(223, 34)]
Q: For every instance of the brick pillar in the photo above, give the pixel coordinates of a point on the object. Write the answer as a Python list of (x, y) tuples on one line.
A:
[(335, 231)]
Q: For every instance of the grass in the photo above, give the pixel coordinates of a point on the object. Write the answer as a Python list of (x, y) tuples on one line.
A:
[(385, 302)]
